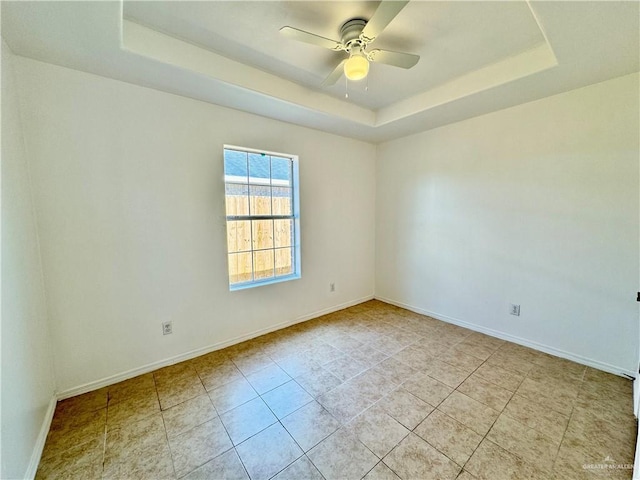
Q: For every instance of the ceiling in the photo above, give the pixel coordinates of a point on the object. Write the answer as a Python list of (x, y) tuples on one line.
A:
[(475, 57)]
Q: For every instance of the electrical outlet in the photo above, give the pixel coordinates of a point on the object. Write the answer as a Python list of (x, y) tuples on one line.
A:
[(514, 310), (332, 287), (167, 328)]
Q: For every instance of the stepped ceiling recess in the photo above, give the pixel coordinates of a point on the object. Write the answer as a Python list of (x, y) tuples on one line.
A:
[(475, 57)]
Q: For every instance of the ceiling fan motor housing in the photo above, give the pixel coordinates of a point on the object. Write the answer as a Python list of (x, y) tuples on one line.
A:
[(350, 33)]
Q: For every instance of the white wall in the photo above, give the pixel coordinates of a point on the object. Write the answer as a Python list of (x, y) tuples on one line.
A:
[(27, 379), (130, 201), (535, 205)]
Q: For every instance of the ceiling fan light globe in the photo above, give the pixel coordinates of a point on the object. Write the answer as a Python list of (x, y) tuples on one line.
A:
[(356, 68)]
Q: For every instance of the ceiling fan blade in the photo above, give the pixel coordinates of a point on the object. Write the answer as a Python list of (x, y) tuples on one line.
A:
[(387, 11), (397, 59), (311, 38), (335, 75)]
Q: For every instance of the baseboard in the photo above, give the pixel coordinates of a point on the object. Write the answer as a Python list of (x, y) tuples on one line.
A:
[(30, 474), (88, 387), (520, 341)]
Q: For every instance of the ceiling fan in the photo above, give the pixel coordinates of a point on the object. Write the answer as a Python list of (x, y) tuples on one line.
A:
[(356, 35)]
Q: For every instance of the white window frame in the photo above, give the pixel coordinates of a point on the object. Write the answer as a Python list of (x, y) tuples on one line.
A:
[(295, 216)]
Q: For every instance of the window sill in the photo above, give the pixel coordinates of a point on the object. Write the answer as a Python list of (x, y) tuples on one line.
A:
[(259, 283)]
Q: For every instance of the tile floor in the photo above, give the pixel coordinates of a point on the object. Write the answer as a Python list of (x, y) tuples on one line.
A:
[(372, 392)]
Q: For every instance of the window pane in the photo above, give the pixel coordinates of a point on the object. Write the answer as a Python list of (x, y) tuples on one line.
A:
[(235, 166), (284, 261), (262, 234), (283, 232), (237, 199), (263, 264), (260, 198), (282, 201), (281, 171), (238, 236), (259, 169), (240, 267)]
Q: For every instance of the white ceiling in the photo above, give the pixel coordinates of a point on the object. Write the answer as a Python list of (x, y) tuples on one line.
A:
[(476, 57)]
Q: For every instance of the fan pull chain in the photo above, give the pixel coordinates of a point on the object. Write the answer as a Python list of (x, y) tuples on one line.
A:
[(346, 87), (366, 88)]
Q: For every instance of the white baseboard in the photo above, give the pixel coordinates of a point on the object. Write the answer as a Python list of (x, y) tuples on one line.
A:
[(520, 341), (88, 387), (40, 441)]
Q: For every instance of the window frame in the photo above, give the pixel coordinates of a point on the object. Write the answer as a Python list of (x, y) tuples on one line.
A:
[(295, 217)]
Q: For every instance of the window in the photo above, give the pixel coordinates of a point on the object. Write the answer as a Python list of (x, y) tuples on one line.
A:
[(263, 217)]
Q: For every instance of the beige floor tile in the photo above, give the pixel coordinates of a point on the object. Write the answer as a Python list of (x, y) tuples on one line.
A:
[(557, 364), (524, 442), (177, 390), (445, 373), (79, 461), (414, 458), (556, 380), (345, 402), (600, 436), (387, 345), (345, 367), (464, 475), (231, 395), (395, 370), (342, 456), (577, 453), (318, 382), (135, 439), (187, 415), (85, 403), (173, 372), (157, 465), (301, 469), (510, 361), (507, 379), (558, 400), (268, 378), (133, 409), (372, 385), (381, 472), (131, 388), (601, 393), (621, 384), (214, 376), (427, 389), (379, 432), (469, 412), (248, 419), (485, 392), (345, 343), (268, 452), (310, 425), (535, 415), (298, 365), (415, 356), (491, 462), (368, 355), (449, 436), (226, 466), (465, 362), (323, 353), (405, 407), (75, 430), (397, 366), (286, 399), (249, 363), (198, 445), (481, 352)]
